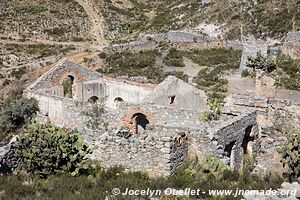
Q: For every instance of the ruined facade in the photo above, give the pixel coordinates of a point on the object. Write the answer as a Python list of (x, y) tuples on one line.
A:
[(153, 128), (251, 47)]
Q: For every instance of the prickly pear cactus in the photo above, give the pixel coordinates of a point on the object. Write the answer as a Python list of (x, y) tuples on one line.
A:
[(44, 149), (291, 154)]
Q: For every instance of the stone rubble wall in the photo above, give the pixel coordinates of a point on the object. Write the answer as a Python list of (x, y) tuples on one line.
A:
[(287, 110), (179, 39), (272, 115), (171, 137), (234, 130), (156, 150)]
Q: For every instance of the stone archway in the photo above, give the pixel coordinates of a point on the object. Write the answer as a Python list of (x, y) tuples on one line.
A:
[(93, 100), (68, 86), (140, 122), (73, 73), (137, 120), (118, 101)]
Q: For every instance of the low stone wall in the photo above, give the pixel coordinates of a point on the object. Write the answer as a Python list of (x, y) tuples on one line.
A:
[(179, 39), (156, 152), (269, 110)]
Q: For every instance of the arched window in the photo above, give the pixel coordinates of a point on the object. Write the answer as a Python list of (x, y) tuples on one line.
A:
[(117, 101), (93, 100), (140, 121), (68, 86)]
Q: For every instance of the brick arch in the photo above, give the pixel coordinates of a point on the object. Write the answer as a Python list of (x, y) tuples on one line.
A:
[(128, 119), (75, 72)]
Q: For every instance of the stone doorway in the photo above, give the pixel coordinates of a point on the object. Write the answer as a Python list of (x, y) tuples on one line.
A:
[(93, 100), (140, 122)]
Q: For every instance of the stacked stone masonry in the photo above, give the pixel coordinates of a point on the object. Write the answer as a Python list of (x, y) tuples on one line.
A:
[(153, 128)]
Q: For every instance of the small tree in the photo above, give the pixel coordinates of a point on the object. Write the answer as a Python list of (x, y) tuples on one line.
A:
[(291, 154), (264, 63), (44, 149)]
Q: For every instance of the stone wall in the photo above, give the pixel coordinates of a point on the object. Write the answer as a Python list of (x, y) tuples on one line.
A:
[(291, 45), (264, 85), (273, 115), (251, 47), (179, 39), (113, 91), (165, 143), (175, 92), (235, 138), (155, 151)]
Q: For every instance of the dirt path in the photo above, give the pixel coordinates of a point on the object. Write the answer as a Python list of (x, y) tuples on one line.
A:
[(96, 20)]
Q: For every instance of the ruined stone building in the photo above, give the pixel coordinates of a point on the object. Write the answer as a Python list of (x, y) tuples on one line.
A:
[(153, 128), (291, 45)]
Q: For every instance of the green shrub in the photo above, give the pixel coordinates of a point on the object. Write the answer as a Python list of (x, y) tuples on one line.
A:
[(102, 55), (174, 58), (31, 9), (56, 31), (52, 150), (264, 63), (287, 73), (6, 82), (291, 154), (18, 73), (15, 112), (206, 116), (214, 166), (100, 182), (218, 61), (178, 74), (245, 73), (214, 57), (95, 119), (137, 64)]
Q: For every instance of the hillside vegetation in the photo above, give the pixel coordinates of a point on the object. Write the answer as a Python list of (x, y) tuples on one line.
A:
[(266, 18), (60, 20)]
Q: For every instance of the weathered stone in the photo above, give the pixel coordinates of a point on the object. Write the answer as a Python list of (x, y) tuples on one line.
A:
[(151, 124), (165, 150)]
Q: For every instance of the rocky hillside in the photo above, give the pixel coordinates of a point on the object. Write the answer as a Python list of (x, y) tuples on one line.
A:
[(234, 18), (76, 20), (59, 20)]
